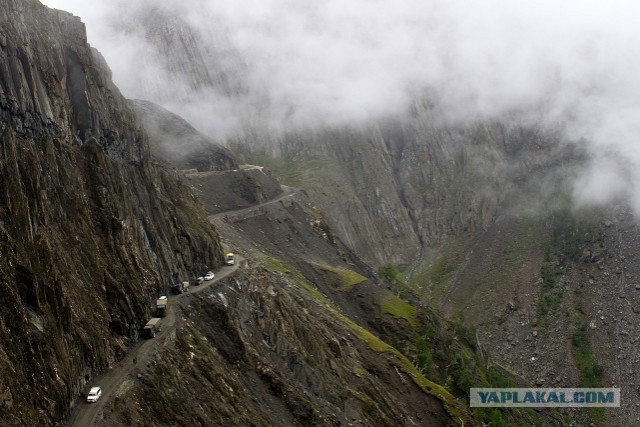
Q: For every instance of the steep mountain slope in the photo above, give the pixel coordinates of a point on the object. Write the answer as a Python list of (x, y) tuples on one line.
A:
[(181, 50), (91, 230), (177, 143), (298, 374), (299, 337), (552, 295), (393, 189), (490, 238), (212, 170), (472, 219)]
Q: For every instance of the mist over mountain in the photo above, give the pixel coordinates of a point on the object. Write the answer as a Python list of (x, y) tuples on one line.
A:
[(459, 210), (279, 65)]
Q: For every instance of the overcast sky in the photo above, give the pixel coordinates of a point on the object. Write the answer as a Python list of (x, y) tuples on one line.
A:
[(342, 61)]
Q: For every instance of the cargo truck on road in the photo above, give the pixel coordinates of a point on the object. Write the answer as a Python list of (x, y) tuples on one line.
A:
[(161, 307), (151, 328)]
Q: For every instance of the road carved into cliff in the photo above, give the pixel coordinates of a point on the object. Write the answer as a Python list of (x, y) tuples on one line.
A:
[(85, 414), (288, 192)]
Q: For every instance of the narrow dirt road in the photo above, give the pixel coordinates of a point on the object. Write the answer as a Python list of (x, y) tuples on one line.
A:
[(84, 414), (287, 192)]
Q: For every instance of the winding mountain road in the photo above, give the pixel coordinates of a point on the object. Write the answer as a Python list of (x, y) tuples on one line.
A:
[(287, 192), (84, 414)]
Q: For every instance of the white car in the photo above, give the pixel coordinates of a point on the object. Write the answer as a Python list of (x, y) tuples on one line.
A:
[(210, 275), (94, 394)]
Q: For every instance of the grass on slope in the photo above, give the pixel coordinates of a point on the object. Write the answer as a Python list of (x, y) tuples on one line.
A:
[(451, 404), (399, 309), (296, 277), (348, 278)]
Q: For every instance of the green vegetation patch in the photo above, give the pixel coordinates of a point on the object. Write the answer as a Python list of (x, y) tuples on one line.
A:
[(369, 403), (348, 278), (551, 291), (590, 371), (396, 279), (452, 406), (399, 309)]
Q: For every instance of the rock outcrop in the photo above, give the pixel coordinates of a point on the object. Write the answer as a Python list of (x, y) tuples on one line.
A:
[(178, 144), (260, 351)]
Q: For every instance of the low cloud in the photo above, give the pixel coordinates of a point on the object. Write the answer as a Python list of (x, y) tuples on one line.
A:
[(328, 63)]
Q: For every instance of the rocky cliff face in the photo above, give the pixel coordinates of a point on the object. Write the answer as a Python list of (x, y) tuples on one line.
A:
[(91, 230), (175, 51), (391, 189), (178, 144), (394, 189), (300, 336)]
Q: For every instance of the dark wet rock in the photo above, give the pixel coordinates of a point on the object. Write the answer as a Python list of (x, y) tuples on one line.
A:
[(92, 229)]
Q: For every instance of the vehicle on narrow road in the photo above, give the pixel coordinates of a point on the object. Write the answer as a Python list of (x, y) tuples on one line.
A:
[(151, 328), (229, 259), (209, 276), (94, 394), (161, 306), (87, 414)]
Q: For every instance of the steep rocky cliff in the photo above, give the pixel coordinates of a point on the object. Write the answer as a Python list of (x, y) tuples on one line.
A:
[(394, 189), (213, 172), (178, 144), (310, 367), (175, 51), (300, 336), (91, 230), (391, 188)]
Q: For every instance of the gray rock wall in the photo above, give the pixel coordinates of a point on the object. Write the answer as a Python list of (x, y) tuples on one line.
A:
[(91, 231), (392, 189)]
